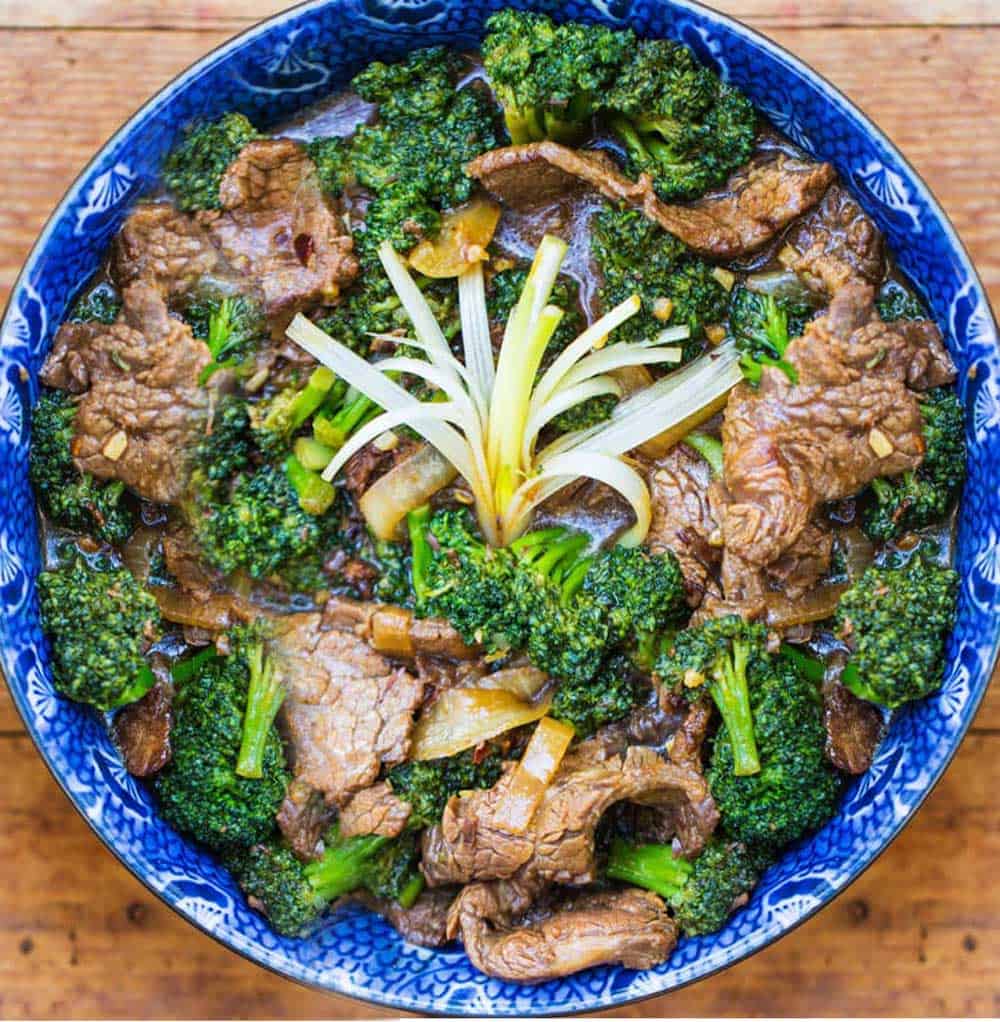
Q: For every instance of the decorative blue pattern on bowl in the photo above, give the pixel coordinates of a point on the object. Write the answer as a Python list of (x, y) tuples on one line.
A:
[(271, 72)]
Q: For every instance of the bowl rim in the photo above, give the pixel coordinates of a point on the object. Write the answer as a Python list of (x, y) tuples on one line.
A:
[(832, 94)]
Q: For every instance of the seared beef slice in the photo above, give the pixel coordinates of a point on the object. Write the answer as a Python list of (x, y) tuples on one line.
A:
[(558, 847), (348, 710), (629, 927), (850, 418), (141, 406), (276, 228)]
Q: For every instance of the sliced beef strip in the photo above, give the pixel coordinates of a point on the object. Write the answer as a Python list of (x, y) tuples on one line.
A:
[(374, 810), (853, 728), (630, 927), (164, 247), (757, 202), (348, 711), (850, 417), (838, 242), (141, 407), (425, 924), (303, 818), (142, 730), (682, 519), (277, 229), (558, 847)]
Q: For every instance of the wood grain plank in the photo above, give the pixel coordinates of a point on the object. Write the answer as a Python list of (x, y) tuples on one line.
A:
[(66, 93), (80, 938), (217, 14)]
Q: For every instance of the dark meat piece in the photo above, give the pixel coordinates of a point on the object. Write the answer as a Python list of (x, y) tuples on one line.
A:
[(374, 810), (348, 710), (805, 562), (755, 205), (183, 560), (558, 847), (395, 631), (630, 927), (164, 247), (142, 731), (682, 519), (142, 408), (425, 924), (838, 242), (276, 228), (850, 418), (303, 819), (370, 463), (853, 729)]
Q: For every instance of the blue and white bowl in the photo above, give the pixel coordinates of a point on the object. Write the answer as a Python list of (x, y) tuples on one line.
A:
[(274, 70)]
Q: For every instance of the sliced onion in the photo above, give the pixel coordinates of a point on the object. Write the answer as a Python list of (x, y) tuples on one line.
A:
[(213, 614), (461, 718), (137, 554), (564, 399), (523, 682), (404, 487), (816, 605), (462, 240), (525, 790)]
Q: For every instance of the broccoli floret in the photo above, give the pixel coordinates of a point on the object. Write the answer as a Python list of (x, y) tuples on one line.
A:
[(194, 168), (721, 655), (637, 257), (702, 893), (678, 122), (609, 695), (99, 622), (796, 789), (568, 631), (200, 791), (504, 291), (73, 499), (373, 307), (231, 325), (642, 592), (294, 894), (550, 79), (896, 621), (334, 163), (414, 158), (586, 414), (260, 528), (395, 568), (227, 448), (762, 327), (428, 785), (924, 495), (463, 580), (101, 304), (895, 302), (401, 214)]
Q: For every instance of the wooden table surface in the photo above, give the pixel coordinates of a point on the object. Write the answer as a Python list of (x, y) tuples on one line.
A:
[(919, 934)]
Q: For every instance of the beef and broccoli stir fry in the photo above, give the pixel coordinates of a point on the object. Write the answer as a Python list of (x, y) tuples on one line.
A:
[(511, 495)]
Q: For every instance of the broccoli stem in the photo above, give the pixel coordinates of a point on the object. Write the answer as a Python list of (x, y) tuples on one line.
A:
[(814, 669), (265, 695), (524, 124), (654, 867), (554, 554), (416, 523), (728, 687), (315, 494), (309, 398), (710, 448), (409, 894), (335, 431), (342, 867), (185, 670), (144, 680), (312, 454)]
